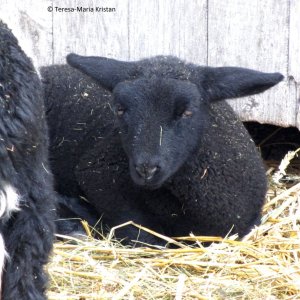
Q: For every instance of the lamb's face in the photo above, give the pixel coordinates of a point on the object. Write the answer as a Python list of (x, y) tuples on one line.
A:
[(160, 124)]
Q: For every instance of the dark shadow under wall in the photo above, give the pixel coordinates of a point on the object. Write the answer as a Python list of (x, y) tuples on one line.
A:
[(274, 142)]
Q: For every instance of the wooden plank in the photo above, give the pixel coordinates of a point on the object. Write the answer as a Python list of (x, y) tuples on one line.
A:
[(294, 40), (294, 53), (31, 23), (169, 27), (254, 34), (90, 33)]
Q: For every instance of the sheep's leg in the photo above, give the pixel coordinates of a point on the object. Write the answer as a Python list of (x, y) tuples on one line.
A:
[(129, 233), (111, 213), (28, 241), (71, 211)]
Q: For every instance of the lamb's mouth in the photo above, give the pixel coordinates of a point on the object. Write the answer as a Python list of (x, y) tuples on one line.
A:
[(151, 184)]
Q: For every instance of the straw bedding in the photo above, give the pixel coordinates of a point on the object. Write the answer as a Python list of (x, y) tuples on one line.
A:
[(264, 265)]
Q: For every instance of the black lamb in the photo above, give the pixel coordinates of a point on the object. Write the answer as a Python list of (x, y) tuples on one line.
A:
[(155, 143), (27, 198)]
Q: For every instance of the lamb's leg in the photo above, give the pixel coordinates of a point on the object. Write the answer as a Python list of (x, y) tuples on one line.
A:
[(28, 241), (71, 211)]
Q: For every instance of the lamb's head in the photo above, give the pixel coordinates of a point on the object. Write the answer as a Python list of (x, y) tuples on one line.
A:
[(161, 120), (161, 106)]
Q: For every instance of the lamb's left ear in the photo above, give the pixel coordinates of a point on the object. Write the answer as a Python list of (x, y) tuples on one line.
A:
[(232, 82), (106, 71)]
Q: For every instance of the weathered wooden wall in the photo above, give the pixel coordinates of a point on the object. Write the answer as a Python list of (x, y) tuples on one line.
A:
[(263, 35)]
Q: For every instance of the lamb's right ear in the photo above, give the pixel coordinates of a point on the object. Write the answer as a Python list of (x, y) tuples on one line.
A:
[(108, 72), (232, 82)]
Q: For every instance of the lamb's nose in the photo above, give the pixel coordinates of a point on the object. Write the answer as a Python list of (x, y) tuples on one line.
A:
[(146, 171)]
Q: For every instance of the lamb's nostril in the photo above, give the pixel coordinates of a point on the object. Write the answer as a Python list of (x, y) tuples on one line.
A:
[(145, 171)]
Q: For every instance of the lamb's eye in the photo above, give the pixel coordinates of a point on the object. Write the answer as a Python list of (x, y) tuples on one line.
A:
[(182, 110), (120, 111), (187, 113)]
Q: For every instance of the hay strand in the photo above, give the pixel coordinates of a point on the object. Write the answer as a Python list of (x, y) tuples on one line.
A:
[(264, 265)]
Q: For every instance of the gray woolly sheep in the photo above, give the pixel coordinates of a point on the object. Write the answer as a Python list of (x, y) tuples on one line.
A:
[(27, 196), (163, 150)]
